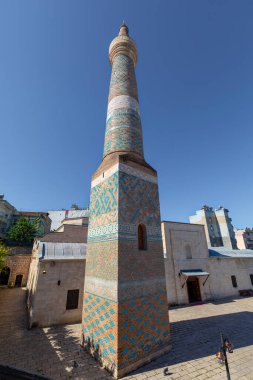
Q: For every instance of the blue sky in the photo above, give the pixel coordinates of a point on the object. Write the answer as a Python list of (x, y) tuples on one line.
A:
[(195, 84)]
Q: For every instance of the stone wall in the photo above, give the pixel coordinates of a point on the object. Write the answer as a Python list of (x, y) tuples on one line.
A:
[(221, 270), (49, 282), (185, 248), (18, 261)]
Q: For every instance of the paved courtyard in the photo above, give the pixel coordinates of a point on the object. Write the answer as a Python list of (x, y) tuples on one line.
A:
[(55, 351)]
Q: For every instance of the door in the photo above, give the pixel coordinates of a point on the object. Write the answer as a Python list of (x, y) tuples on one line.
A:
[(193, 289), (4, 276), (18, 281)]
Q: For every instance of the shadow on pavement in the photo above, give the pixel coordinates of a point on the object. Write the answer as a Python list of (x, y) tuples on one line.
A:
[(198, 338), (54, 352)]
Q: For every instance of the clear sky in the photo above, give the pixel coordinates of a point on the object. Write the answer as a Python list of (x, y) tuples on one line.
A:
[(195, 83)]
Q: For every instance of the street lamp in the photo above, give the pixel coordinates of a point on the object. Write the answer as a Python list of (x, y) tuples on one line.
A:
[(226, 346)]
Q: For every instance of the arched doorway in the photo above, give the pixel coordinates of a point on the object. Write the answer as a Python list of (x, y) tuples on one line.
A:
[(4, 276)]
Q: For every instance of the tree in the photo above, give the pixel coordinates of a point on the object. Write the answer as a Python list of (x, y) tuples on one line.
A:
[(3, 252), (24, 231)]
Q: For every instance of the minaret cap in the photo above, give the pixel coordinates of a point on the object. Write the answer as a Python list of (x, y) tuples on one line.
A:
[(123, 30), (123, 44)]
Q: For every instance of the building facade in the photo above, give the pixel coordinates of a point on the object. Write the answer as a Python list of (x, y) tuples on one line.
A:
[(125, 315), (16, 269), (57, 216), (7, 211), (44, 221), (195, 273), (9, 215), (218, 227), (231, 272), (56, 277), (244, 238), (185, 252)]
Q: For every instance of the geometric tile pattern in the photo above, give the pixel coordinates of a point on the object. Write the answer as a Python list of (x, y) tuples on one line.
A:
[(125, 139), (123, 81), (143, 327), (125, 314), (138, 326), (119, 231), (123, 117), (123, 127), (100, 325), (122, 101), (139, 201), (124, 324), (104, 202), (125, 169)]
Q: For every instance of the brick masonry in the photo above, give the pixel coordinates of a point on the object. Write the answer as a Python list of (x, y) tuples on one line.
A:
[(125, 314), (19, 262)]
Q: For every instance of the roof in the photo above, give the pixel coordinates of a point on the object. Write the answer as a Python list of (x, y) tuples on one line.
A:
[(76, 217), (7, 204), (191, 224), (58, 215), (230, 253), (21, 250), (72, 234), (33, 213), (61, 251)]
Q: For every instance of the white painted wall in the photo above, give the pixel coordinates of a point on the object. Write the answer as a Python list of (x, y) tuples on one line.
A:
[(219, 284)]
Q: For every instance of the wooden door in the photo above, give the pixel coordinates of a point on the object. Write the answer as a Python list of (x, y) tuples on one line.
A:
[(193, 289)]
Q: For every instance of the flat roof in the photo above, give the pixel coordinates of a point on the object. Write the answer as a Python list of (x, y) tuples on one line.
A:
[(223, 252), (191, 224), (61, 251)]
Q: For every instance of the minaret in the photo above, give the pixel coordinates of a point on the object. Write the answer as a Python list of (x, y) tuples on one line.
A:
[(125, 314)]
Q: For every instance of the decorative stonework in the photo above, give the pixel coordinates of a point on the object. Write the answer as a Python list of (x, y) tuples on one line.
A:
[(125, 169), (123, 45), (125, 315), (121, 231), (123, 81), (123, 123), (122, 101)]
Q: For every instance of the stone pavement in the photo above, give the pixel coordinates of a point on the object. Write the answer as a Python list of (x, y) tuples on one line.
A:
[(56, 353)]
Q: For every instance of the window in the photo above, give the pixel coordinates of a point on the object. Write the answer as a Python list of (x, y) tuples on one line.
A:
[(188, 251), (72, 299), (142, 237), (251, 278), (234, 282)]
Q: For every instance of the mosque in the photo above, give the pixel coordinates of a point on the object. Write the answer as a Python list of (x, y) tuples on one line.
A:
[(134, 264)]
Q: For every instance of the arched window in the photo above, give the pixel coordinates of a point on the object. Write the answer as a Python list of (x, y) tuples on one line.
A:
[(142, 237), (4, 276), (188, 251)]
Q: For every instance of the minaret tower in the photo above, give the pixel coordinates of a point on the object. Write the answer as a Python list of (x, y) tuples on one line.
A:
[(125, 314)]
